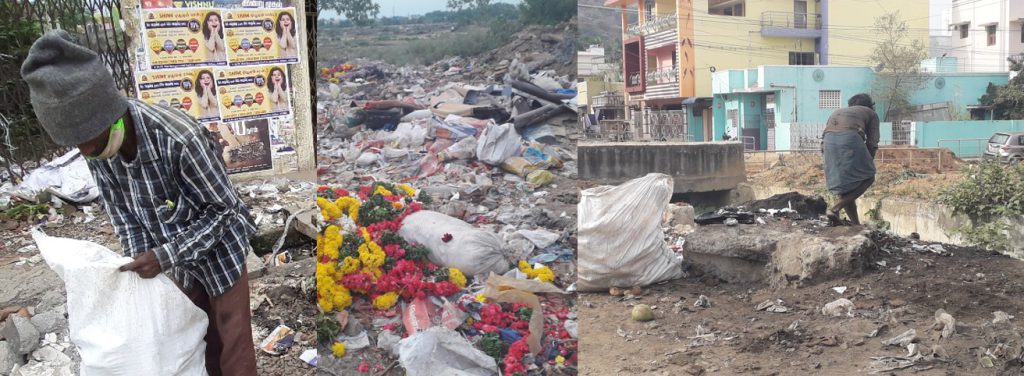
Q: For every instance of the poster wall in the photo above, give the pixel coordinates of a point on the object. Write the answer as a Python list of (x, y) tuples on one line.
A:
[(245, 146), (190, 90), (253, 93), (261, 36), (184, 38)]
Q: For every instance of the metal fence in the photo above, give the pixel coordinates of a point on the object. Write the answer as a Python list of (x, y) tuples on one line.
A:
[(910, 158), (804, 136), (95, 24), (965, 147), (661, 125)]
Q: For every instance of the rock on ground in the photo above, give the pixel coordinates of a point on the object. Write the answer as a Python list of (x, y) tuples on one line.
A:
[(9, 358), (21, 335)]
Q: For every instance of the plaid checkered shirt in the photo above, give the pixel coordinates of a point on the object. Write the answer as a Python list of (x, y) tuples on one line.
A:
[(175, 199)]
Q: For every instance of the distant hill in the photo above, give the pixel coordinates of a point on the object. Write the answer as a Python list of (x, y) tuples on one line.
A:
[(600, 26)]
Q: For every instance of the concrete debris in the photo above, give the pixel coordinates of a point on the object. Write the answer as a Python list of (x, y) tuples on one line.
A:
[(21, 335), (769, 305), (9, 358), (933, 248), (902, 340), (702, 302), (49, 321), (944, 323), (889, 364), (1000, 317), (838, 308)]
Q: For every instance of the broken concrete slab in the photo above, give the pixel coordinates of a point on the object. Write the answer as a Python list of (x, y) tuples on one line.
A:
[(778, 255), (9, 358), (48, 322), (21, 335), (254, 265)]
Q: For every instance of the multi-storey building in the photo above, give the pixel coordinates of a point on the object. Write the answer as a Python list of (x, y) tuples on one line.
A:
[(986, 33), (671, 52)]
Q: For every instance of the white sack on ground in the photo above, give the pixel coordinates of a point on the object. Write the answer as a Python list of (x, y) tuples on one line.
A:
[(471, 250), (124, 324), (439, 351), (621, 243)]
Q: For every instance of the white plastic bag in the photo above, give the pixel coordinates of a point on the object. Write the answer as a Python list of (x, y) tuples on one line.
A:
[(124, 324), (498, 143), (464, 149), (471, 250), (621, 243), (439, 351)]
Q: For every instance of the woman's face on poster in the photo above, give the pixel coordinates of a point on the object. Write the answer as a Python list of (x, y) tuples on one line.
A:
[(206, 80), (214, 22), (278, 77), (286, 21)]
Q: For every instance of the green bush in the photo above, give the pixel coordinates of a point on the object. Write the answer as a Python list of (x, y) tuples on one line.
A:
[(547, 12), (988, 195)]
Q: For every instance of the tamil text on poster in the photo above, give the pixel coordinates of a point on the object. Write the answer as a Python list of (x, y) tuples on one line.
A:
[(190, 90), (184, 38), (261, 36), (251, 93), (245, 146)]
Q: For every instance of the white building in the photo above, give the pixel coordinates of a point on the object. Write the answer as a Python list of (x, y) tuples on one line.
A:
[(986, 33), (591, 62)]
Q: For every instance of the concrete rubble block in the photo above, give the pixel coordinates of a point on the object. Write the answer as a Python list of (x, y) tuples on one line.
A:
[(9, 358), (49, 321), (695, 167), (802, 258), (679, 215), (778, 255), (254, 265), (21, 334)]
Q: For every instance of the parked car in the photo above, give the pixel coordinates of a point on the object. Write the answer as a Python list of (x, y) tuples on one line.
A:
[(1005, 147)]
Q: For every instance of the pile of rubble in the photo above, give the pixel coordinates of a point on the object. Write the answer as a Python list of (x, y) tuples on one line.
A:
[(486, 142)]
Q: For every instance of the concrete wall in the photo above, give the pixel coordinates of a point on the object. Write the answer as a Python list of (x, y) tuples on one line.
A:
[(928, 134), (301, 163), (696, 167)]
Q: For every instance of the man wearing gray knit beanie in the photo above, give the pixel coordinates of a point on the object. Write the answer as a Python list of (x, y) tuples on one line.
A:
[(163, 184)]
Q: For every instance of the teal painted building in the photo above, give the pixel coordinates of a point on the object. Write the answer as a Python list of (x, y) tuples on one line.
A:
[(771, 106)]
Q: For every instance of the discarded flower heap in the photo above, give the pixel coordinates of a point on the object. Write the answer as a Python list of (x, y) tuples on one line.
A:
[(371, 259), (335, 73), (502, 330)]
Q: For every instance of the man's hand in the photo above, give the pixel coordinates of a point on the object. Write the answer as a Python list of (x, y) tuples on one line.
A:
[(146, 265)]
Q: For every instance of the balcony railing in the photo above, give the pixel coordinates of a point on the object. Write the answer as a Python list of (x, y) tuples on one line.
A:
[(661, 125), (786, 20), (658, 23), (663, 76), (634, 79), (608, 100)]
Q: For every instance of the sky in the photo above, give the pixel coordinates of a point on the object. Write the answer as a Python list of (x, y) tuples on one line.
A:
[(390, 8)]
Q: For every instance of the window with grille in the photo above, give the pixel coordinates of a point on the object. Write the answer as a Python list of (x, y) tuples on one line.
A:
[(734, 118), (801, 58), (828, 99), (990, 32), (964, 33)]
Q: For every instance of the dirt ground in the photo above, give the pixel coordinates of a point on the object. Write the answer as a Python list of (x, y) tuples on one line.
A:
[(901, 171), (902, 291)]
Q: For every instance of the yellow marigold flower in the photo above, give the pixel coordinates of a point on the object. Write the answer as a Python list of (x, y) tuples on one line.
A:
[(376, 273), (349, 265), (342, 297), (456, 277), (338, 349), (319, 245), (470, 321), (382, 191), (545, 274), (559, 359), (409, 191), (385, 302), (353, 213), (326, 206), (366, 236), (323, 271), (397, 205), (334, 81), (326, 304), (481, 298)]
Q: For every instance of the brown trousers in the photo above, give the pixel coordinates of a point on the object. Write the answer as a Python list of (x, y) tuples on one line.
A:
[(229, 347)]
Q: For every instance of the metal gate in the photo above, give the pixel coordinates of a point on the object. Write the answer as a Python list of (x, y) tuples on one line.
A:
[(95, 24)]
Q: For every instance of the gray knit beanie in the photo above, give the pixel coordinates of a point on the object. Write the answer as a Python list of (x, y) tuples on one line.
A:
[(72, 92)]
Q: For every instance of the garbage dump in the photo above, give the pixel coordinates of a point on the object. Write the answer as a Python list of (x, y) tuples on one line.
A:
[(448, 216)]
